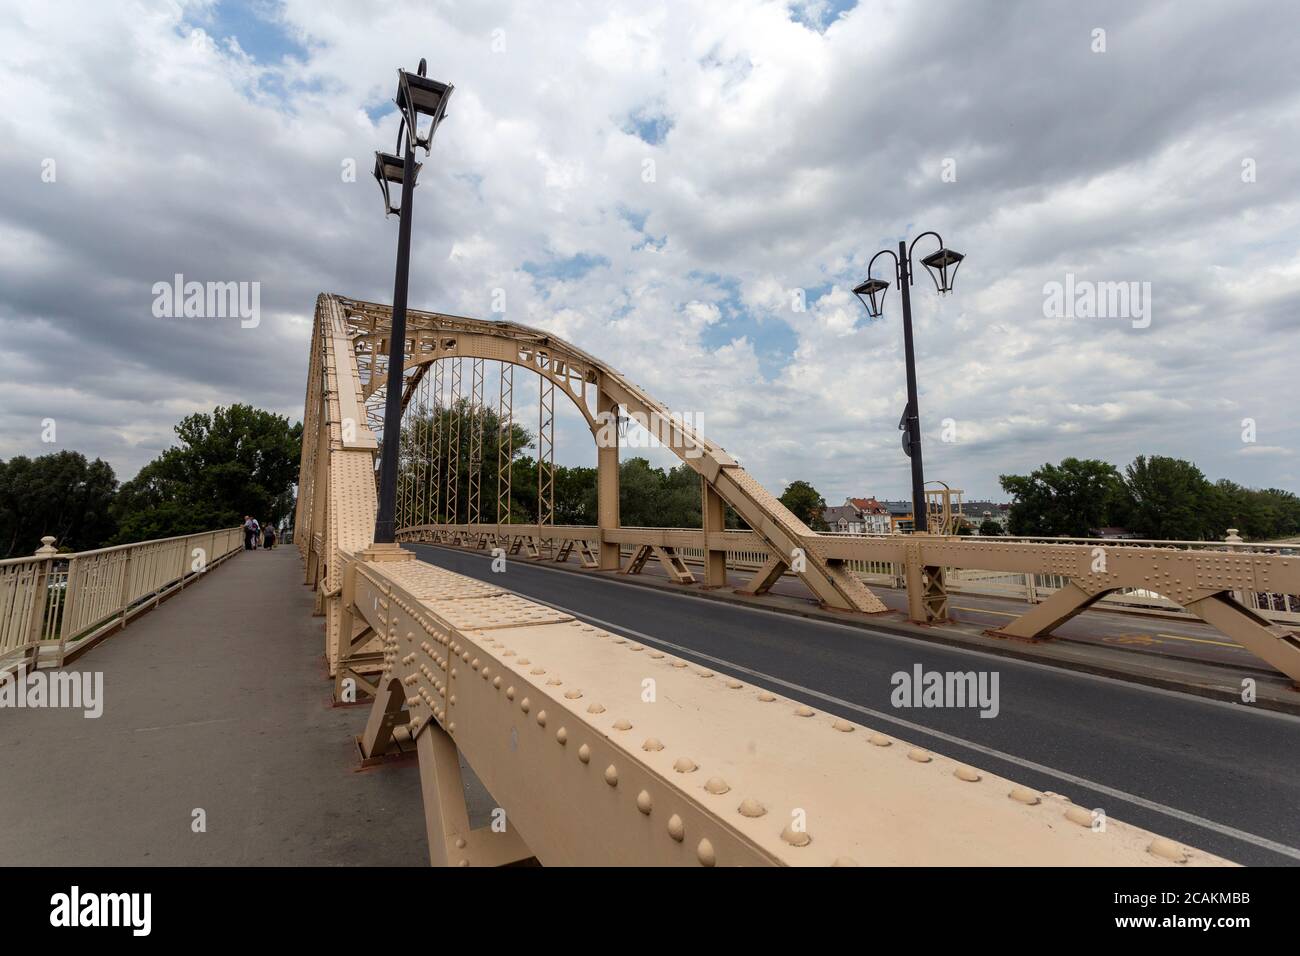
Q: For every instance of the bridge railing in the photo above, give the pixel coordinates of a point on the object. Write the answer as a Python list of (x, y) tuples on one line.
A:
[(747, 554), (53, 605)]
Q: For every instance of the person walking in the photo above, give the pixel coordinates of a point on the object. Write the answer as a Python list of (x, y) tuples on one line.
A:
[(250, 533), (268, 536)]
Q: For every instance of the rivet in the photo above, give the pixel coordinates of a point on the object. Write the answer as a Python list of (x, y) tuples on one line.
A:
[(1080, 815), (652, 745), (706, 673), (765, 697), (562, 736), (572, 694), (611, 775), (735, 684), (1026, 796), (802, 711), (879, 740), (538, 670), (676, 828), (749, 807), (622, 724), (656, 654), (595, 708), (523, 660), (1167, 849), (678, 663), (843, 726), (704, 852), (460, 843), (525, 704), (451, 727), (541, 718), (716, 785), (685, 765), (919, 755), (969, 774), (643, 802), (584, 753), (496, 682), (510, 693), (635, 647), (796, 837)]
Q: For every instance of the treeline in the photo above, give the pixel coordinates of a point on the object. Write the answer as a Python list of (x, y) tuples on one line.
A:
[(1154, 497), (236, 461)]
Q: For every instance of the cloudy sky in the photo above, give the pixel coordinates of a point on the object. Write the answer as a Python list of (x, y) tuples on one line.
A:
[(664, 184)]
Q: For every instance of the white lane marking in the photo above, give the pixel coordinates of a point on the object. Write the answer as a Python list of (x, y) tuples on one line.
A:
[(1174, 812), (1063, 672)]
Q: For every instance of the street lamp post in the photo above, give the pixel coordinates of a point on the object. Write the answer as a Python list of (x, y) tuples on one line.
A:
[(416, 96), (871, 292)]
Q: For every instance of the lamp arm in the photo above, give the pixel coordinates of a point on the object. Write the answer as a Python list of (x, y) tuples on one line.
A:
[(913, 246), (891, 254)]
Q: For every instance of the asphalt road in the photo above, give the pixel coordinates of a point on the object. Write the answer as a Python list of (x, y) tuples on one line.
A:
[(1218, 776)]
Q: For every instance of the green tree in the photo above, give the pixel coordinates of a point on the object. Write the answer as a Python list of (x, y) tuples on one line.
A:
[(59, 494), (805, 504), (990, 528), (237, 461), (1069, 499), (419, 449), (1171, 499)]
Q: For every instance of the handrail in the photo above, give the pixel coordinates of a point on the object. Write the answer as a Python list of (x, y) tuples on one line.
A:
[(49, 601)]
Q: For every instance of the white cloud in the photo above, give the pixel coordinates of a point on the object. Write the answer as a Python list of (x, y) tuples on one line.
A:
[(792, 152)]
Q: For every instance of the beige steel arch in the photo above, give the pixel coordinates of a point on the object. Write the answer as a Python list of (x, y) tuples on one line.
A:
[(583, 378)]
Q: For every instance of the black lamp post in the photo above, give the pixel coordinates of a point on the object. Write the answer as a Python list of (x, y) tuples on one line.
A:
[(416, 96), (872, 295)]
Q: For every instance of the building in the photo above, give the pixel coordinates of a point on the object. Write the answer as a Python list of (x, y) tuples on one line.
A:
[(872, 515)]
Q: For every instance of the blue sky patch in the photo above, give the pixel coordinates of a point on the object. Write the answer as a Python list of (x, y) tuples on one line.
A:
[(574, 267), (256, 25)]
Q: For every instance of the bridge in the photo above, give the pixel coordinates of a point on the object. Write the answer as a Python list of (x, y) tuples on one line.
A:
[(730, 702)]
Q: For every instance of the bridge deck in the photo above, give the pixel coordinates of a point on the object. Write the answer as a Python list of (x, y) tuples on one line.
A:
[(217, 700)]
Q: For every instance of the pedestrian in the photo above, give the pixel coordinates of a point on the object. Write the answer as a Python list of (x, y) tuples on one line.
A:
[(250, 533), (268, 536), (257, 533)]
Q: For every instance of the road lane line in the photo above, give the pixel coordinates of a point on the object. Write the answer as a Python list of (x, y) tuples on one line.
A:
[(1174, 812), (1200, 640)]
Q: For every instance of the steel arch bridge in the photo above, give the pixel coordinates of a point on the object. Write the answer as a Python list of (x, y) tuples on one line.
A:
[(446, 658)]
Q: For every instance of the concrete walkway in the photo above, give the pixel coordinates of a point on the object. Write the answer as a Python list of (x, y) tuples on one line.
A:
[(218, 700)]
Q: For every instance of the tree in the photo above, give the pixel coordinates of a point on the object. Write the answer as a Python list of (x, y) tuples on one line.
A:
[(1170, 499), (990, 528), (237, 461), (1069, 499), (59, 494), (805, 504), (1257, 514), (419, 448)]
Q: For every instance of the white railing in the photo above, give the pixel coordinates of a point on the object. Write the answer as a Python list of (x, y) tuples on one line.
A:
[(51, 604)]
